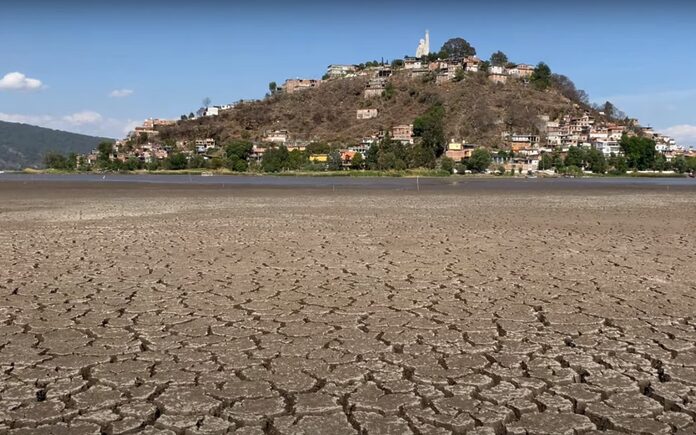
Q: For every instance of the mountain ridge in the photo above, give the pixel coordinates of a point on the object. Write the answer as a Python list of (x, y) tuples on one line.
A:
[(25, 145)]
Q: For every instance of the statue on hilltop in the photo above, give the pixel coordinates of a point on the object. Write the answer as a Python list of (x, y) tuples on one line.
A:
[(424, 46)]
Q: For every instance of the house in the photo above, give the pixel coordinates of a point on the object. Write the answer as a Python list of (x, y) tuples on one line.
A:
[(403, 133), (412, 63), (497, 70), (472, 64), (366, 113), (335, 71), (211, 111), (498, 78), (319, 158), (459, 151), (276, 136), (375, 88), (521, 71), (295, 85)]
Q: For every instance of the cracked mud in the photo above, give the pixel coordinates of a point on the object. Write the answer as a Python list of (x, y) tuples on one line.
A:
[(136, 309)]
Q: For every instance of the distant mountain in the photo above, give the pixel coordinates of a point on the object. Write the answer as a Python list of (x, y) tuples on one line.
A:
[(23, 145)]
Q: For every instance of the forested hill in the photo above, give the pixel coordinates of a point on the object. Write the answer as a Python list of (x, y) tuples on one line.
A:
[(23, 145)]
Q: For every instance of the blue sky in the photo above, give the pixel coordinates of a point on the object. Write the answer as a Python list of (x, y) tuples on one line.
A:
[(162, 58)]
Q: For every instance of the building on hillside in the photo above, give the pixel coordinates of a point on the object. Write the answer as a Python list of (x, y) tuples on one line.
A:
[(276, 136), (472, 64), (498, 78), (295, 85), (211, 111), (375, 88), (403, 133), (319, 158), (335, 71), (412, 63), (366, 113), (521, 71), (459, 151)]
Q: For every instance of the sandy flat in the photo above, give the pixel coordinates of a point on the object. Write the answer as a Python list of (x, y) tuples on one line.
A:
[(487, 309)]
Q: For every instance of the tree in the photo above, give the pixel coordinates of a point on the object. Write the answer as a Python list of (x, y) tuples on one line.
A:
[(499, 58), (54, 160), (660, 162), (639, 152), (275, 159), (546, 162), (357, 161), (596, 161), (297, 159), (567, 88), (273, 87), (575, 157), (458, 47), (104, 150), (397, 63), (421, 156), (459, 74), (206, 102), (335, 163), (372, 156), (239, 149), (447, 164), (541, 77), (430, 129), (480, 160), (679, 164), (177, 161), (317, 148)]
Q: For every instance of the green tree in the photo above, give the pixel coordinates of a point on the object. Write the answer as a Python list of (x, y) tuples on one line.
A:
[(639, 151), (273, 87), (430, 129), (105, 150), (371, 156), (357, 161), (499, 59), (335, 163), (458, 47), (54, 160), (275, 159), (196, 161), (679, 164), (177, 161), (389, 91), (541, 77), (480, 160), (241, 149), (296, 160), (447, 164), (596, 161), (317, 148), (575, 157), (421, 156), (660, 162), (459, 74), (545, 162)]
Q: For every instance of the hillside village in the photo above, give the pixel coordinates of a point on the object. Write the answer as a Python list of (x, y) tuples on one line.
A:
[(540, 141)]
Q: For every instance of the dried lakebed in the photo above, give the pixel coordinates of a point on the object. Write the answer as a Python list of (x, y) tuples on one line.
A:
[(200, 310)]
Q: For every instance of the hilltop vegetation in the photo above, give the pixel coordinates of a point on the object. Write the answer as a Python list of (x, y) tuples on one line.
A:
[(23, 145), (475, 109)]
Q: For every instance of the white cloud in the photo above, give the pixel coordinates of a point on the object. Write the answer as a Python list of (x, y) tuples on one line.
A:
[(685, 134), (84, 117), (120, 93), (16, 81)]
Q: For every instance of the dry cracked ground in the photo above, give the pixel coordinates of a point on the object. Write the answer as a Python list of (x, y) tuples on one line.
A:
[(153, 309)]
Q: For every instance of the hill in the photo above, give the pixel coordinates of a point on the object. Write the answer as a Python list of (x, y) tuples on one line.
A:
[(476, 110), (23, 145)]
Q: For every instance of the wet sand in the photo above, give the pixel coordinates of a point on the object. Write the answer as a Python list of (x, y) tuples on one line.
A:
[(487, 309)]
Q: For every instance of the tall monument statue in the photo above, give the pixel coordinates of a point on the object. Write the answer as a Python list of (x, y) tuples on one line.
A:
[(423, 46)]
